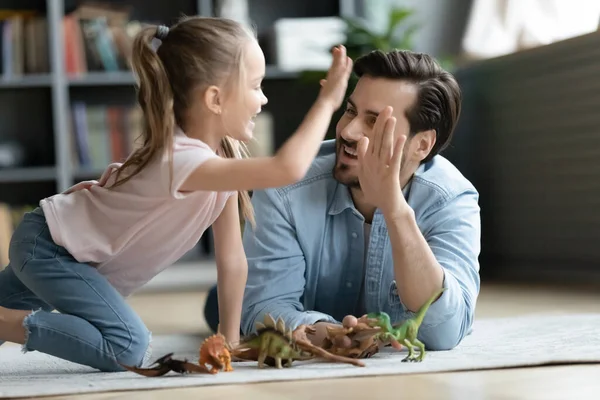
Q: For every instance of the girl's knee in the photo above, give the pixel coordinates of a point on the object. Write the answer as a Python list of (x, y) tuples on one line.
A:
[(138, 352)]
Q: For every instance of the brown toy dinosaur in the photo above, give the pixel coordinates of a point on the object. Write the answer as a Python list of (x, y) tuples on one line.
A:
[(167, 363), (356, 338), (274, 344)]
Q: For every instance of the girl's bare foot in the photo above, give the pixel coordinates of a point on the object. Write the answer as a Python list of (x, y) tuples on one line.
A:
[(11, 325)]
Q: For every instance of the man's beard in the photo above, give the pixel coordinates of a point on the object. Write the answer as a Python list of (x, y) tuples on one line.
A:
[(339, 170)]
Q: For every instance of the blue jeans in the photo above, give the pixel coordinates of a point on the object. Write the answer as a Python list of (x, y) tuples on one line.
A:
[(94, 325)]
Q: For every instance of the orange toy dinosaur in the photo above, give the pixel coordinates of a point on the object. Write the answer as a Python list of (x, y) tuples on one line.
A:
[(215, 352)]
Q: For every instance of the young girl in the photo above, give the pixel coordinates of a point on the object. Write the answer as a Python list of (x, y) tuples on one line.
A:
[(83, 251)]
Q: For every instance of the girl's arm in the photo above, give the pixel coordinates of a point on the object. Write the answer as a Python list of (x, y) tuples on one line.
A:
[(287, 166), (296, 155), (232, 269)]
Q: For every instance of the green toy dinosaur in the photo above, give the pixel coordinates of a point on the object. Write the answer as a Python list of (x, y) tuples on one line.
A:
[(406, 332), (272, 344)]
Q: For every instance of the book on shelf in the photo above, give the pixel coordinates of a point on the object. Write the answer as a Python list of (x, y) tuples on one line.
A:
[(24, 43), (102, 134), (98, 38)]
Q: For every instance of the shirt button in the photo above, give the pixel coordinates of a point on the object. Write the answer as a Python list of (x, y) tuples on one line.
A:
[(354, 235), (349, 284)]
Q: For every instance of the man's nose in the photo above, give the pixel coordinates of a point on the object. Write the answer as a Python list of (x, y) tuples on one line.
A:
[(352, 132)]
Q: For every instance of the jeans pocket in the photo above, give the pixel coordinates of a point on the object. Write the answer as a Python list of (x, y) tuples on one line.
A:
[(23, 243), (20, 253), (27, 231)]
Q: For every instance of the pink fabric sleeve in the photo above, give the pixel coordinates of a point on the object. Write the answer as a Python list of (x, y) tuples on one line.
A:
[(185, 161)]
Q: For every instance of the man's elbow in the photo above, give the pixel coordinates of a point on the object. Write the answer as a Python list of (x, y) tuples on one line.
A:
[(447, 335), (442, 342)]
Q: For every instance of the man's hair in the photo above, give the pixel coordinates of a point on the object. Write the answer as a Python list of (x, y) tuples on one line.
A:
[(439, 96)]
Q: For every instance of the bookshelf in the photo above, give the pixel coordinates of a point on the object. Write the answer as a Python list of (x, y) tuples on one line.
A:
[(43, 85)]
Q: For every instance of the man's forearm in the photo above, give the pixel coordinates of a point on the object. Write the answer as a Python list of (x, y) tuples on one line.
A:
[(417, 272)]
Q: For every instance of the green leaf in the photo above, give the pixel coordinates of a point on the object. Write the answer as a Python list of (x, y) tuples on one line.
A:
[(381, 43), (355, 26), (309, 76), (397, 15), (446, 62), (406, 42), (361, 39)]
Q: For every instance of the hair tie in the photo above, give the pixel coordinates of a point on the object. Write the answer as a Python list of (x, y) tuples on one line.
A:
[(161, 32)]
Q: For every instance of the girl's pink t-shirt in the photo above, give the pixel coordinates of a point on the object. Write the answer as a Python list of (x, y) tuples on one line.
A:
[(132, 232)]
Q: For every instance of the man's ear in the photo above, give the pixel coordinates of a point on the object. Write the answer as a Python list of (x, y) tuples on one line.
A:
[(424, 142), (212, 99)]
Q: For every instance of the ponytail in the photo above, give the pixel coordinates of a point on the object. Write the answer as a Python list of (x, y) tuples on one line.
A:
[(155, 97), (197, 51), (233, 149)]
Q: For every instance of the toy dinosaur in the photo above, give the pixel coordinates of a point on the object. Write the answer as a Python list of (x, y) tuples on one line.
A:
[(273, 344), (355, 338), (165, 364), (405, 333), (215, 352)]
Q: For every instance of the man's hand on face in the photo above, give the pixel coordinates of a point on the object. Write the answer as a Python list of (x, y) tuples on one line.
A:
[(379, 165)]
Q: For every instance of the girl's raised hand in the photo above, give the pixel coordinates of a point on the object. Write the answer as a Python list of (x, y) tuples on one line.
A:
[(333, 87)]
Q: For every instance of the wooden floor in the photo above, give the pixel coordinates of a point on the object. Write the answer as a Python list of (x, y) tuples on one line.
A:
[(182, 312)]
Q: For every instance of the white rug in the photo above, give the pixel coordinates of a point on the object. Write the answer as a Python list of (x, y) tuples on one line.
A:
[(494, 343)]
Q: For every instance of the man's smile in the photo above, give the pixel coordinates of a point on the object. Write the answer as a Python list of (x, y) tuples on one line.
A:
[(348, 153)]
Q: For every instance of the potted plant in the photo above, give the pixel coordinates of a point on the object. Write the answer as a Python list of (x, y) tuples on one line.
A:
[(361, 38)]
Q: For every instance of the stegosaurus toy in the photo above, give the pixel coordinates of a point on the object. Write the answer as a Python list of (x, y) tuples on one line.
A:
[(273, 344)]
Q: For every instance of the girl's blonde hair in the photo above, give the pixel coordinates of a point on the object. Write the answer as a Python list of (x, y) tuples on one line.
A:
[(193, 54)]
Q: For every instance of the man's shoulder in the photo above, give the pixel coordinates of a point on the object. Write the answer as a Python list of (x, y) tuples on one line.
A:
[(440, 181)]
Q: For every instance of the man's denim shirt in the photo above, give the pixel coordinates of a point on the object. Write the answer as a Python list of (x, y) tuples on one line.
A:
[(306, 253)]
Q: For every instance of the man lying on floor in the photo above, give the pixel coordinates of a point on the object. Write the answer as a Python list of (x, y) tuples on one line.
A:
[(381, 232)]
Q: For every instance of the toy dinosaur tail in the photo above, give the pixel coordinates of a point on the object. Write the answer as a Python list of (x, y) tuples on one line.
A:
[(423, 310)]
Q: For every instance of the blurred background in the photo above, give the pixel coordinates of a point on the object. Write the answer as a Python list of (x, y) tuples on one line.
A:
[(528, 137)]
